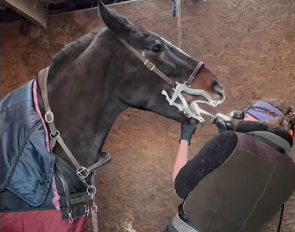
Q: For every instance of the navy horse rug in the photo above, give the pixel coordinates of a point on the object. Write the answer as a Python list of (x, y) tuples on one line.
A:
[(31, 196)]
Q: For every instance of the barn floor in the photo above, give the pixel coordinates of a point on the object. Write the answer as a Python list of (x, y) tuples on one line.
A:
[(249, 45)]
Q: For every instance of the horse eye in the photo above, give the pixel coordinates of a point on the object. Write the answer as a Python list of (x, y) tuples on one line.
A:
[(157, 48)]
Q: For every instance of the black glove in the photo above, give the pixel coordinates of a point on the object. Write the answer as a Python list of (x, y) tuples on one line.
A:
[(188, 129), (222, 122)]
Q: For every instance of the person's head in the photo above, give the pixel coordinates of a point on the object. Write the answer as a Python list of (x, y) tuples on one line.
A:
[(276, 113)]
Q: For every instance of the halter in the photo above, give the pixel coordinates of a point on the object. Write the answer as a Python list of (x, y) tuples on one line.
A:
[(178, 88), (83, 172)]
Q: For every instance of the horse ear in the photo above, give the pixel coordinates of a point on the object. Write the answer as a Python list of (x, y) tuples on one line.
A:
[(118, 24)]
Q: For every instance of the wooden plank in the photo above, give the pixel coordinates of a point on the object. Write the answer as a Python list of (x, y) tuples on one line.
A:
[(30, 9)]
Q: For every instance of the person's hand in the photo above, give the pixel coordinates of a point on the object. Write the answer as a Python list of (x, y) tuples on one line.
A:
[(188, 128), (222, 122)]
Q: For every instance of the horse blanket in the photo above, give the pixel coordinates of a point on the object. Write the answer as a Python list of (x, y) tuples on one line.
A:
[(27, 168), (26, 165)]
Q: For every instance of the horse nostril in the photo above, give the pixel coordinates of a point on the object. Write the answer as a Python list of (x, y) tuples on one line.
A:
[(217, 86)]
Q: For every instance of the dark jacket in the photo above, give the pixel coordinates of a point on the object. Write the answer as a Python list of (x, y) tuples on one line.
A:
[(237, 182), (214, 153)]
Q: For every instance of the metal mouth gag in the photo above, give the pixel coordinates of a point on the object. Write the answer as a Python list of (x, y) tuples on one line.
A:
[(193, 110)]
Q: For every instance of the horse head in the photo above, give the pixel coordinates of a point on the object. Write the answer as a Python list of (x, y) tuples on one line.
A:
[(159, 75), (95, 78)]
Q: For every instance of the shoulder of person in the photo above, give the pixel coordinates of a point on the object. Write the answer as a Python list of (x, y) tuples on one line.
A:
[(224, 139)]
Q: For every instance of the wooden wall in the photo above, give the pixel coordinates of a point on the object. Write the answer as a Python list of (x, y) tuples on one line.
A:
[(249, 45)]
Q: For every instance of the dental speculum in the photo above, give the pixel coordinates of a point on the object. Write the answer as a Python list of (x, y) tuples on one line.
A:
[(192, 111)]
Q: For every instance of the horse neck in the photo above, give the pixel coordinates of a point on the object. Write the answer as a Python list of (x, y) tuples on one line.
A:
[(84, 104)]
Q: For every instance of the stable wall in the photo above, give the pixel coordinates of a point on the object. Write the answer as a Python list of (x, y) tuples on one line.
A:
[(249, 45)]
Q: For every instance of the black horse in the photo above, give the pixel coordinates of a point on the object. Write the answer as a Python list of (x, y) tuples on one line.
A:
[(89, 83)]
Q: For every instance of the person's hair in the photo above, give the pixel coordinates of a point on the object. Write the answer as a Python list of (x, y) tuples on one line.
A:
[(288, 121)]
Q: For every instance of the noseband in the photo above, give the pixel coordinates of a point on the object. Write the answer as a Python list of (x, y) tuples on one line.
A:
[(179, 88)]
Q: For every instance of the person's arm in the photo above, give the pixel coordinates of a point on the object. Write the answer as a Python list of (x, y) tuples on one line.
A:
[(187, 131), (181, 158)]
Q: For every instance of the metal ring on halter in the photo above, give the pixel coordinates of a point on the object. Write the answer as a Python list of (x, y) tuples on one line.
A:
[(49, 117), (91, 190)]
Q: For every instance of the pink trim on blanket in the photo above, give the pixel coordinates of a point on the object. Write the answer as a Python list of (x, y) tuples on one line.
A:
[(56, 198), (39, 113)]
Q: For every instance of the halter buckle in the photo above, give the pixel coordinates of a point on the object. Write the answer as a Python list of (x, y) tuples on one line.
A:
[(49, 117), (83, 173)]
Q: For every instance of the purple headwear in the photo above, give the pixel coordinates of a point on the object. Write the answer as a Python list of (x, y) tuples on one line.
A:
[(264, 111)]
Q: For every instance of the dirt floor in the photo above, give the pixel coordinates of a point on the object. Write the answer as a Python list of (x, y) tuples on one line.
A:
[(249, 45)]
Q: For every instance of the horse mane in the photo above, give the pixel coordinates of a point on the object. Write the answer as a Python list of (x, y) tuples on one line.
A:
[(74, 49)]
